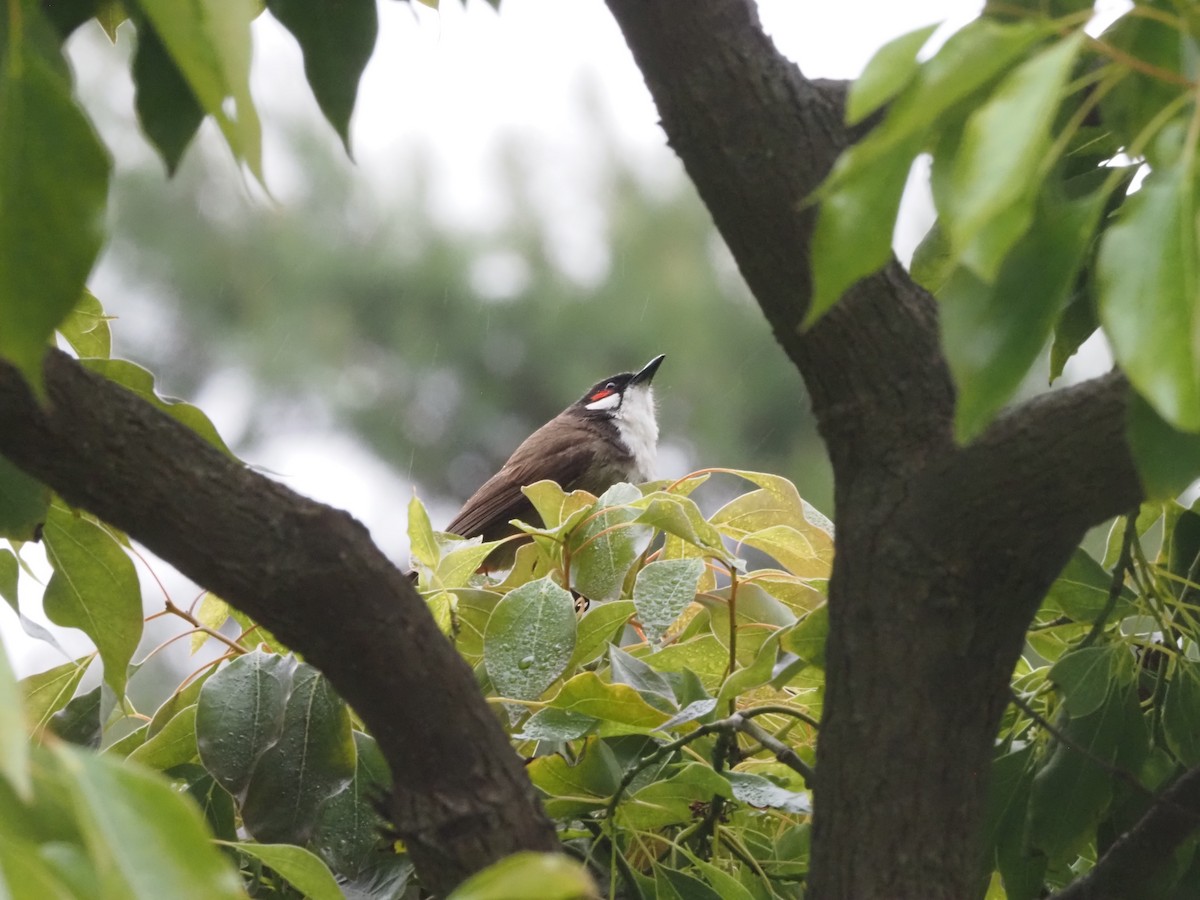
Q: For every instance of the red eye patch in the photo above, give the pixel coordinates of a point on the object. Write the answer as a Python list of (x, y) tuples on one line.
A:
[(601, 394)]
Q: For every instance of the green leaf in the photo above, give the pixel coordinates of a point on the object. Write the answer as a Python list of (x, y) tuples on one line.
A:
[(10, 571), (337, 37), (993, 333), (681, 517), (662, 591), (853, 237), (167, 108), (312, 760), (1181, 712), (1003, 154), (79, 721), (214, 801), (578, 787), (621, 709), (754, 675), (1147, 283), (300, 868), (547, 876), (600, 626), (763, 793), (670, 800), (472, 610), (209, 41), (239, 714), (173, 745), (605, 545), (146, 840), (1081, 590), (86, 328), (1070, 790), (1084, 677), (53, 190), (651, 684), (1168, 460), (860, 198), (14, 746), (1075, 325), (348, 829), (423, 544), (455, 568), (890, 70), (141, 382), (556, 507), (556, 725), (777, 520), (23, 503), (48, 692), (529, 640), (704, 655), (26, 875), (212, 612), (94, 588), (807, 639)]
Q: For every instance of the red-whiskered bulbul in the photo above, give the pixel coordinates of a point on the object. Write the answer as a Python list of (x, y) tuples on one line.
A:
[(610, 434)]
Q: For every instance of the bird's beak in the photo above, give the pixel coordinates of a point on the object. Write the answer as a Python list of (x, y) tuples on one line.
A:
[(648, 370)]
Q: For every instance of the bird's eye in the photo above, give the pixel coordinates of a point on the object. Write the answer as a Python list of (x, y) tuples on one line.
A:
[(610, 386)]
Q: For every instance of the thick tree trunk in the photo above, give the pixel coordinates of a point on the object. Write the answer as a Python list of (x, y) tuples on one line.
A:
[(943, 554), (461, 797)]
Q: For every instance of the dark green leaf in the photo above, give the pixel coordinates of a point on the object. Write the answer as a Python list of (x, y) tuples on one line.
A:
[(79, 721), (143, 836), (1168, 460), (606, 544), (214, 801), (1081, 590), (239, 715), (1181, 712), (141, 382), (53, 189), (670, 801), (23, 503), (94, 588), (300, 868), (662, 591), (993, 333), (1085, 676), (1075, 325), (337, 37), (1147, 283), (167, 109), (890, 70), (312, 760), (529, 639), (1070, 789), (209, 41), (348, 829), (653, 685)]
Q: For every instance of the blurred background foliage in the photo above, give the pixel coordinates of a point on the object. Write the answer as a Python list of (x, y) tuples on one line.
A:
[(440, 346)]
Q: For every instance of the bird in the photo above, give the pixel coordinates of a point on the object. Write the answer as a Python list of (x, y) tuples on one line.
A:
[(608, 435)]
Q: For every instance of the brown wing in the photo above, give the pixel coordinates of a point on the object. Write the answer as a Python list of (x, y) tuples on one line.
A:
[(557, 450)]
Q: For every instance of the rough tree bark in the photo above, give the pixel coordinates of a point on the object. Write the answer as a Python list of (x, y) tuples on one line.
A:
[(311, 574), (943, 554)]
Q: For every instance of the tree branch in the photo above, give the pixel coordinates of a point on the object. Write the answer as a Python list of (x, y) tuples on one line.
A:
[(309, 573), (1137, 855)]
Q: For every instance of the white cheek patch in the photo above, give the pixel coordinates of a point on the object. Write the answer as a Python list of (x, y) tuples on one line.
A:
[(612, 401)]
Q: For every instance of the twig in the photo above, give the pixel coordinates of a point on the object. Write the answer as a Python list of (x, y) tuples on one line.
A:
[(1124, 561), (782, 751)]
